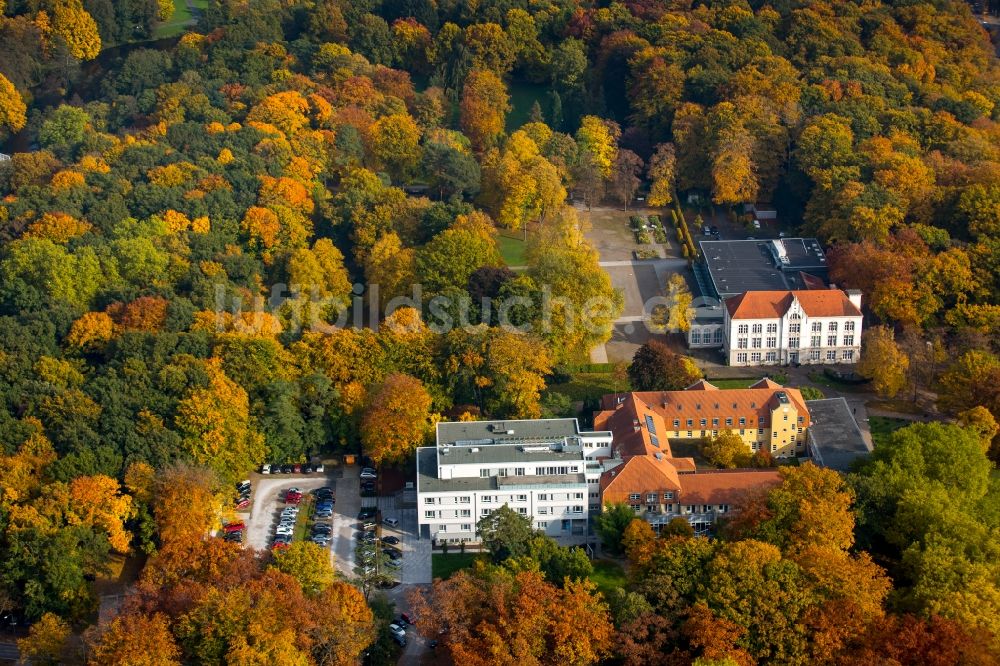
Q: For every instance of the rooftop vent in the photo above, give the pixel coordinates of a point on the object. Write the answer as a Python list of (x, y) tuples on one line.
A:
[(445, 451), (474, 449), (659, 456), (536, 448)]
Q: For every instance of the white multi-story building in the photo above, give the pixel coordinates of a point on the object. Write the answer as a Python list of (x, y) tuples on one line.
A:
[(804, 326), (546, 469)]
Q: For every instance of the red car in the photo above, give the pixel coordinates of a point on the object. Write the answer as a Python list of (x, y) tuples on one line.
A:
[(233, 527), (297, 469), (279, 546), (293, 498), (243, 503)]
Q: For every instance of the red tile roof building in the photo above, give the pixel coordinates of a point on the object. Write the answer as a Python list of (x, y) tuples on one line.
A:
[(802, 326), (661, 487)]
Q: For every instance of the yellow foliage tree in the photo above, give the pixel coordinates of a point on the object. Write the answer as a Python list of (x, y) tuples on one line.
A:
[(307, 563), (217, 427), (77, 28), (97, 500), (599, 139), (57, 227), (46, 640), (883, 361), (135, 639), (13, 112), (164, 9), (91, 330)]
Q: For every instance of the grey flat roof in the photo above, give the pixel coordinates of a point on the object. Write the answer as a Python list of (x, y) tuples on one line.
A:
[(449, 432), (736, 266), (835, 434), (541, 480), (504, 453), (427, 481)]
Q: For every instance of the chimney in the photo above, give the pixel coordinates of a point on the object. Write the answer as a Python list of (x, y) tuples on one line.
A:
[(854, 296)]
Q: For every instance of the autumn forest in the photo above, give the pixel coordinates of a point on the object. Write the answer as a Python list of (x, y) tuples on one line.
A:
[(187, 223)]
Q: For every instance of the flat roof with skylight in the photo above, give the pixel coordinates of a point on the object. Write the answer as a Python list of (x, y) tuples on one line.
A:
[(736, 266)]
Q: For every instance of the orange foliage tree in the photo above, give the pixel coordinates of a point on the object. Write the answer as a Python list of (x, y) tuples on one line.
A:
[(483, 108), (396, 419), (497, 617)]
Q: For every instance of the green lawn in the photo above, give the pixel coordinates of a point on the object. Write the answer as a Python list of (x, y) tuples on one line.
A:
[(180, 21), (512, 250), (882, 427), (608, 576), (303, 519), (522, 96), (443, 566), (587, 385)]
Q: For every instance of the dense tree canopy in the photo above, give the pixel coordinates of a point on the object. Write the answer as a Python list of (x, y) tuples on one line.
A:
[(186, 233)]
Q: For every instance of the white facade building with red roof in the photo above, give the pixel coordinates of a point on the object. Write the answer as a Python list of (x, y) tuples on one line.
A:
[(788, 327)]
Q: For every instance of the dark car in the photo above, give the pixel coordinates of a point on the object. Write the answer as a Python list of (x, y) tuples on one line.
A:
[(287, 469), (408, 619), (243, 503), (390, 540), (323, 490), (307, 469), (367, 487), (367, 512), (715, 230), (392, 553), (234, 537)]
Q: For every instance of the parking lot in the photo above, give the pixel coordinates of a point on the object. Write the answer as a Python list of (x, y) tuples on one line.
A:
[(268, 501)]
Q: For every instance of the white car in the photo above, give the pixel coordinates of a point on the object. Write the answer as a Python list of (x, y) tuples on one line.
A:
[(319, 469), (285, 530), (265, 469), (397, 631), (368, 473)]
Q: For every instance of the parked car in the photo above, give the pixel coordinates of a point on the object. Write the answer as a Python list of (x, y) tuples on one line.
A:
[(368, 526), (756, 224), (238, 526), (293, 500), (245, 483), (285, 530), (392, 553), (408, 618), (265, 469), (243, 503), (287, 469), (367, 512), (706, 230), (390, 540), (307, 469), (397, 630), (368, 487), (401, 640), (715, 230), (319, 469), (369, 474), (297, 469), (391, 522)]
